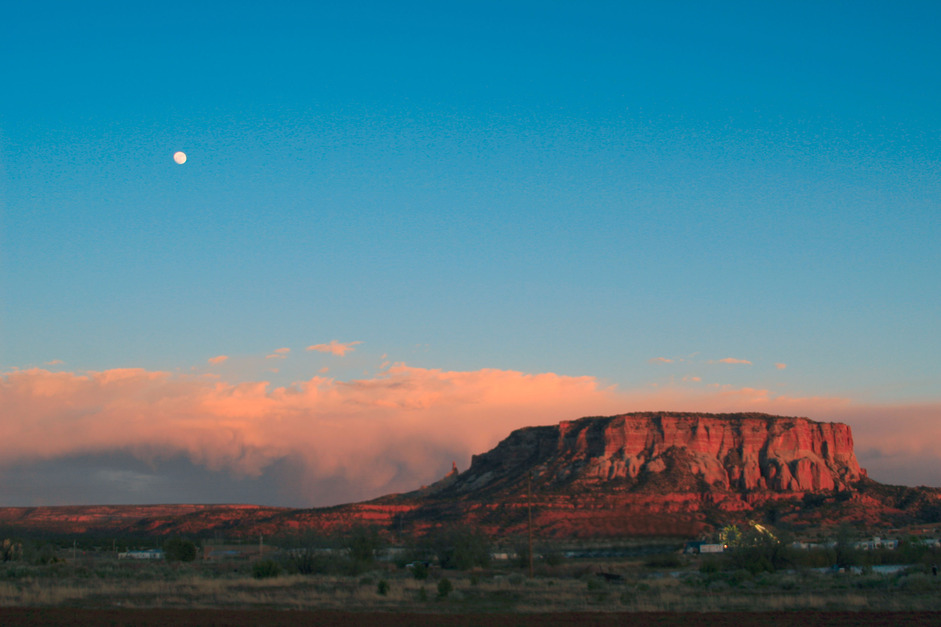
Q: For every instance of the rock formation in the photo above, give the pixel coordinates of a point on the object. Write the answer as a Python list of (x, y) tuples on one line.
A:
[(647, 473), (708, 452), (638, 474)]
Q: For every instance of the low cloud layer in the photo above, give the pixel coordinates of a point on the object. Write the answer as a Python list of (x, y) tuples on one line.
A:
[(324, 441)]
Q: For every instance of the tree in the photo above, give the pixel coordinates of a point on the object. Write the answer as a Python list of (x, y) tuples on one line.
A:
[(730, 535), (757, 550), (845, 554), (179, 550), (461, 548), (363, 543), (10, 550)]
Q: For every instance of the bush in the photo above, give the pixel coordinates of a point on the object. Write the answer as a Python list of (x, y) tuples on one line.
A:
[(595, 584), (666, 560), (444, 587), (179, 550), (305, 562), (553, 557), (264, 569), (918, 582), (10, 551), (363, 544), (382, 587), (461, 548), (758, 550), (419, 570), (709, 566)]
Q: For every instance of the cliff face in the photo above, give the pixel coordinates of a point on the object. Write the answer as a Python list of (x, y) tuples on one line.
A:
[(638, 474), (660, 452), (649, 473)]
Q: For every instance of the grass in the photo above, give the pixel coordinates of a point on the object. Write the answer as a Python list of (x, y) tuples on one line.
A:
[(571, 587)]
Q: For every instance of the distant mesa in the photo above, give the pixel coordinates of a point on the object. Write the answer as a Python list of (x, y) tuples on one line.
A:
[(637, 474)]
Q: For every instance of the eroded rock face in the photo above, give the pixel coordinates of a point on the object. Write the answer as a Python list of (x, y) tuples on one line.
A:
[(677, 451), (641, 474)]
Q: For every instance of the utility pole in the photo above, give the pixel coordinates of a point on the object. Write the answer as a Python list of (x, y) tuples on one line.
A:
[(529, 507)]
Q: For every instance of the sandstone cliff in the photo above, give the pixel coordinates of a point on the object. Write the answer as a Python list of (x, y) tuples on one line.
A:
[(649, 473), (665, 452), (638, 474)]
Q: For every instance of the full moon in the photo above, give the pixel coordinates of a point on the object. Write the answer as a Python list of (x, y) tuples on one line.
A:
[(179, 157)]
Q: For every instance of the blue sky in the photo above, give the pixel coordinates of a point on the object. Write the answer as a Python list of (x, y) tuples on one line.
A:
[(585, 189)]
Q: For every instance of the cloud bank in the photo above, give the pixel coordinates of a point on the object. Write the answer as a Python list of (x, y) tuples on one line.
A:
[(348, 440)]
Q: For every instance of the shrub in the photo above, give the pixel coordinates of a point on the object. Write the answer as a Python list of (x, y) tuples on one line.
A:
[(444, 587), (709, 566), (918, 582), (305, 562), (846, 554), (363, 544), (553, 557), (179, 550), (419, 570), (264, 569), (382, 587), (758, 550), (461, 548), (666, 560), (10, 551)]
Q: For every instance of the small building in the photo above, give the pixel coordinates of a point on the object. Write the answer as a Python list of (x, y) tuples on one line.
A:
[(876, 543), (149, 554), (711, 548)]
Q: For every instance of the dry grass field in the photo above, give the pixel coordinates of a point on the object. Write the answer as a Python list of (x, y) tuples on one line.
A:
[(575, 587), (60, 617)]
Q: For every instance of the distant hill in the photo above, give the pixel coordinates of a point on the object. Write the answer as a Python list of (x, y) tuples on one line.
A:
[(638, 474)]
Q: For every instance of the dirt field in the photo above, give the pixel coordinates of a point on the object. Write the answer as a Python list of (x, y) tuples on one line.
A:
[(265, 618)]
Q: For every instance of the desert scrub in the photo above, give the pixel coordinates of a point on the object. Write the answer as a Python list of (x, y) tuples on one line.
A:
[(664, 560), (265, 569), (444, 587), (709, 565), (918, 582), (419, 571)]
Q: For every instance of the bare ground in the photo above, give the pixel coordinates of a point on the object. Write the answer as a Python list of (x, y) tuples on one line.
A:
[(61, 616)]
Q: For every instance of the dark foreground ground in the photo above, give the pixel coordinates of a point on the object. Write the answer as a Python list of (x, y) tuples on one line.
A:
[(264, 618)]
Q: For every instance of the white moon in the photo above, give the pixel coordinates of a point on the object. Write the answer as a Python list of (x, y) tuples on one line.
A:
[(179, 157)]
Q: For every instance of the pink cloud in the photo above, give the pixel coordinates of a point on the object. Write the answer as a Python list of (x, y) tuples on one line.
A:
[(897, 443), (732, 360), (387, 433), (55, 362), (218, 360), (334, 347), (780, 366), (391, 432), (661, 360)]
